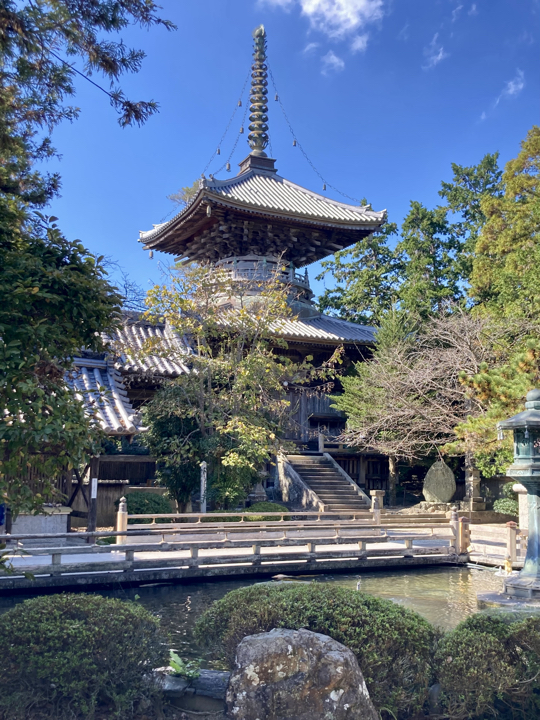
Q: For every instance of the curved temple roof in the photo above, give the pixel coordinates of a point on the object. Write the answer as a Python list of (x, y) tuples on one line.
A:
[(100, 387), (266, 193)]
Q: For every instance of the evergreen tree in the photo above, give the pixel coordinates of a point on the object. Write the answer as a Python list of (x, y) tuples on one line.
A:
[(464, 196), (367, 277), (505, 267), (55, 295), (430, 278)]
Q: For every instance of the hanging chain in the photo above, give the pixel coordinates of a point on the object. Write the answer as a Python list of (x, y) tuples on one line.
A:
[(299, 145), (228, 160), (228, 125)]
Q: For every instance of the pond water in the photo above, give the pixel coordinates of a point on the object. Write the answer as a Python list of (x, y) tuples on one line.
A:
[(443, 595)]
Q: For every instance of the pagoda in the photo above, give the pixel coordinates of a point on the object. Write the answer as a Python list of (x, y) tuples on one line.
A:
[(260, 225), (258, 221)]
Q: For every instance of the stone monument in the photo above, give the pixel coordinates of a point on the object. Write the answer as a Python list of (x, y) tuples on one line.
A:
[(439, 484)]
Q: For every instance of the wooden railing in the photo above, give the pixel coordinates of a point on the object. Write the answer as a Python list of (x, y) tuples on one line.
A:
[(257, 544)]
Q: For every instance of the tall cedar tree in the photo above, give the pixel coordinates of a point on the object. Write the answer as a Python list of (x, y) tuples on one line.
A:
[(505, 267), (55, 295), (431, 264)]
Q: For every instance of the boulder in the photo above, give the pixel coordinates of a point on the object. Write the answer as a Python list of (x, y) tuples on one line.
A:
[(297, 674), (439, 484)]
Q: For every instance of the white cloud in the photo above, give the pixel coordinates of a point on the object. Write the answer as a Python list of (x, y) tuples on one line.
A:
[(512, 87), (310, 47), (359, 43), (404, 32), (336, 18), (331, 63), (455, 12), (434, 53), (473, 10), (283, 4)]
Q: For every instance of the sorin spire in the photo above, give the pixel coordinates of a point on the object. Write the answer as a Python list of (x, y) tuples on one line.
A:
[(258, 135)]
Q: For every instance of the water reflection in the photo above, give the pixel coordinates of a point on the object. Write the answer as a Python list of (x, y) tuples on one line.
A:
[(444, 596)]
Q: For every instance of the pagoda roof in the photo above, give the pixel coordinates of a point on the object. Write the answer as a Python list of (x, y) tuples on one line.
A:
[(258, 191), (325, 329)]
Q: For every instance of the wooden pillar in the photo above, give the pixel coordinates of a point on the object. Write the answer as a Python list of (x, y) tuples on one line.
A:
[(362, 471)]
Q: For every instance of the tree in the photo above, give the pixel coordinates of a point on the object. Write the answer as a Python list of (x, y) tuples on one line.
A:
[(426, 389), (430, 278), (464, 195), (367, 277), (432, 262), (55, 295), (185, 194), (230, 407), (507, 257)]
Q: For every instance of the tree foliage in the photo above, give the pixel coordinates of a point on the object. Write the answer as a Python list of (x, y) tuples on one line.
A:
[(55, 294), (185, 194), (230, 407), (507, 257), (427, 384), (428, 266), (367, 277)]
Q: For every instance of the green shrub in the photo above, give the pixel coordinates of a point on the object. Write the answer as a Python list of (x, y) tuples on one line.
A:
[(257, 507), (147, 503), (489, 666), (393, 645), (509, 503), (62, 655), (266, 507)]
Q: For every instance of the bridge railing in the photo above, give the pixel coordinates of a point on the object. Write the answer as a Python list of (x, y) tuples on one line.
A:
[(298, 545)]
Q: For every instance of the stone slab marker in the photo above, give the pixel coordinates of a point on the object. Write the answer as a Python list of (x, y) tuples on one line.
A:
[(286, 674), (439, 484)]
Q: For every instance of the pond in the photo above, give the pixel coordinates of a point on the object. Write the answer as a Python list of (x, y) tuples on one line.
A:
[(443, 595)]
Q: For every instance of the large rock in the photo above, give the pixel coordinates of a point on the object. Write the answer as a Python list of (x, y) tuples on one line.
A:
[(439, 484), (297, 674)]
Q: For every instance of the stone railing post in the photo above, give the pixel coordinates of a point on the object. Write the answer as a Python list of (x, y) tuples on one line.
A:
[(121, 521), (321, 442), (511, 541), (454, 524), (375, 509), (464, 535), (379, 495)]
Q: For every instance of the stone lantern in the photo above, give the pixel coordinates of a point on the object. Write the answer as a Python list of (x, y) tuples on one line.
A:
[(526, 470)]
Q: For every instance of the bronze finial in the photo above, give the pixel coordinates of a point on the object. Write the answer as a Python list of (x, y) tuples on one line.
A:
[(258, 136)]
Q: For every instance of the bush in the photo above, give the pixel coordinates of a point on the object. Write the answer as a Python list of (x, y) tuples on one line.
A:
[(393, 645), (62, 655), (509, 503), (489, 666), (257, 507), (266, 507), (146, 503)]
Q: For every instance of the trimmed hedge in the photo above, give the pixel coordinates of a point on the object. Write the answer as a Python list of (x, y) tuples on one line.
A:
[(490, 666), (146, 503), (393, 645), (63, 655), (256, 507)]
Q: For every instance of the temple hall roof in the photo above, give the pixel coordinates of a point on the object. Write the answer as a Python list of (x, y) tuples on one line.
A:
[(130, 339), (102, 391)]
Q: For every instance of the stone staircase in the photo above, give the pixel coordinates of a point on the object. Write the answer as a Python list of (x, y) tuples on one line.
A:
[(321, 476)]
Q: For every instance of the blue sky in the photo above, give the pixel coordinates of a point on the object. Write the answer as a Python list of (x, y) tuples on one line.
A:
[(383, 94)]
